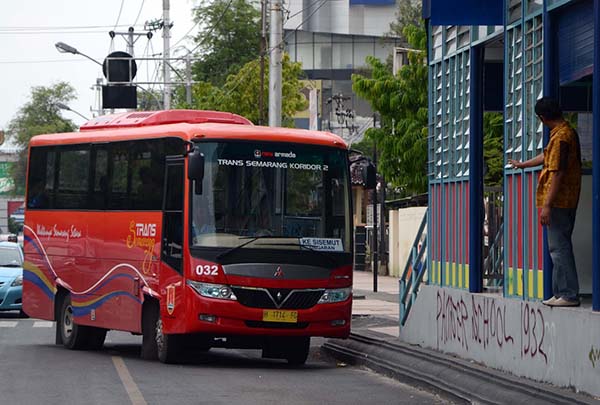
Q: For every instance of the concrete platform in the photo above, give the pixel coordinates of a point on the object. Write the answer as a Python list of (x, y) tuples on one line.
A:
[(479, 348)]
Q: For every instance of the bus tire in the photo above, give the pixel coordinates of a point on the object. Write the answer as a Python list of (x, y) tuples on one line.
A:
[(167, 345), (73, 336), (95, 338), (298, 351), (149, 321)]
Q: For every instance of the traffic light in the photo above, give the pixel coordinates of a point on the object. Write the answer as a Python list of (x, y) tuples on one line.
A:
[(119, 67)]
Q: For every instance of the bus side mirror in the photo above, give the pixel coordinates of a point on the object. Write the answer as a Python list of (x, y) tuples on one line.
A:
[(196, 169)]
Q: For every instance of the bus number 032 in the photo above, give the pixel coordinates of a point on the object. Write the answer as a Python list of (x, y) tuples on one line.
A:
[(207, 270)]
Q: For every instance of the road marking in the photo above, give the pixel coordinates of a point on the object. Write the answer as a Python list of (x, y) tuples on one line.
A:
[(43, 324), (8, 324), (135, 396)]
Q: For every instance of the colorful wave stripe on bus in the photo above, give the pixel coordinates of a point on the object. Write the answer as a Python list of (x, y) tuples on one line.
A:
[(83, 302)]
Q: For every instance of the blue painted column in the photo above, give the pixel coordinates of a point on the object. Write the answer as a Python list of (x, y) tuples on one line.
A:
[(550, 90), (476, 170), (596, 163)]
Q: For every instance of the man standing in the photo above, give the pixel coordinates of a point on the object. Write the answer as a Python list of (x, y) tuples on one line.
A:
[(557, 196)]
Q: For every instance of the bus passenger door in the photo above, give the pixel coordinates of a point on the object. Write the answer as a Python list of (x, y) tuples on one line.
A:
[(171, 268)]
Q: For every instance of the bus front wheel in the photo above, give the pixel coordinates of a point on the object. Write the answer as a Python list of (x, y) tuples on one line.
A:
[(149, 320), (167, 345), (297, 352), (156, 344)]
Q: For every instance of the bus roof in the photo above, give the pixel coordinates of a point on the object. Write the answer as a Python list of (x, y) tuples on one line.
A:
[(185, 124)]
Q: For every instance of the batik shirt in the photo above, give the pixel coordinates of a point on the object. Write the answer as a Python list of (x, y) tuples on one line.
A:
[(562, 153)]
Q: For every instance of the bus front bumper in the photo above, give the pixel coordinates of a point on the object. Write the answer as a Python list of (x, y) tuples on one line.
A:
[(223, 317)]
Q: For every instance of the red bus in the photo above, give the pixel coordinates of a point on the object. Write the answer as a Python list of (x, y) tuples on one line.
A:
[(191, 228)]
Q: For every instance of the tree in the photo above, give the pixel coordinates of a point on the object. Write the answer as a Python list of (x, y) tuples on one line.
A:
[(39, 115), (408, 13), (230, 39), (493, 147), (240, 92), (401, 102)]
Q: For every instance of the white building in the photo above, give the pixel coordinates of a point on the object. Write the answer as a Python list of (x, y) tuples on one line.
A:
[(332, 39)]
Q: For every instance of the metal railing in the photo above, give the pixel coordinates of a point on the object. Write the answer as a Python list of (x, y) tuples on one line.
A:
[(414, 271), (493, 268), (493, 248)]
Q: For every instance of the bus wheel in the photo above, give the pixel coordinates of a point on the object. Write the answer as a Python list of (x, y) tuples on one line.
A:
[(95, 338), (149, 321), (297, 353), (73, 336), (167, 345)]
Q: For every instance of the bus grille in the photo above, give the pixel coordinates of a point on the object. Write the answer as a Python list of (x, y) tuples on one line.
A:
[(277, 298)]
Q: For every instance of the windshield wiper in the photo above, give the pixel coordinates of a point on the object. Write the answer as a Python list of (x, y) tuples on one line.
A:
[(10, 265), (249, 241)]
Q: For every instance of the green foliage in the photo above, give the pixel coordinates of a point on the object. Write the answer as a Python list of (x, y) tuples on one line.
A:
[(240, 92), (14, 227), (408, 14), (230, 40), (39, 115), (493, 147), (401, 102), (365, 146)]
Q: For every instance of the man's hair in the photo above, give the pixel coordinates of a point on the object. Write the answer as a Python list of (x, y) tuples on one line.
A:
[(548, 108)]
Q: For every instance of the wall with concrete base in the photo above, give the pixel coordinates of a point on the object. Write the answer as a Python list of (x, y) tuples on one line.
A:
[(556, 345)]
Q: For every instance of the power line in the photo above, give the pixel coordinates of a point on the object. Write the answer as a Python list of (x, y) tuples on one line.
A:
[(215, 25), (271, 48), (119, 16), (289, 17), (186, 34), (50, 32), (53, 27), (16, 62), (139, 12)]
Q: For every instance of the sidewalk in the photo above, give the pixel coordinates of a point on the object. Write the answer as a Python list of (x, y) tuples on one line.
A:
[(374, 343)]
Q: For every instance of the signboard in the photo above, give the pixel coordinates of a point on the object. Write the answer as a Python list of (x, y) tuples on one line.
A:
[(370, 214)]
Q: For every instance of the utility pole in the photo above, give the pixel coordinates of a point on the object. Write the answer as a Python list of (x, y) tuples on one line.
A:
[(130, 41), (263, 49), (166, 55), (188, 78), (276, 44), (375, 234)]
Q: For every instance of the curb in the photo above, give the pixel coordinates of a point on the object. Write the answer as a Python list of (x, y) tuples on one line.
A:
[(453, 378)]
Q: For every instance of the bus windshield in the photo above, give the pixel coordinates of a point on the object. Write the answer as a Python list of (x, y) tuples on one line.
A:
[(282, 193)]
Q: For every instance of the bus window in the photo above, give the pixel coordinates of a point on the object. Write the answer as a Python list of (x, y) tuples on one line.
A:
[(72, 190), (172, 247), (119, 162), (41, 178), (99, 178)]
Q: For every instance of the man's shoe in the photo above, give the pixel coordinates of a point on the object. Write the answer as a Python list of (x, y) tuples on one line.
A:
[(563, 302), (550, 301)]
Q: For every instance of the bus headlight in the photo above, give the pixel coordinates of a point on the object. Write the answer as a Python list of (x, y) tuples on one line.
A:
[(218, 291), (335, 295), (17, 281)]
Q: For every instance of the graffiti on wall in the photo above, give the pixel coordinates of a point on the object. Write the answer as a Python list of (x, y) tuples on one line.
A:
[(484, 322), (594, 356)]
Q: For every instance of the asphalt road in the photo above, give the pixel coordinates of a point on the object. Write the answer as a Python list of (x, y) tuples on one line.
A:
[(34, 371)]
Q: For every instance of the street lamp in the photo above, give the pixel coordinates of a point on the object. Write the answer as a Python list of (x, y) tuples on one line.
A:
[(67, 108), (65, 48)]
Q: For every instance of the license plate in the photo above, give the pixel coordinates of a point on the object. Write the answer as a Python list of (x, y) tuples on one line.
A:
[(280, 316)]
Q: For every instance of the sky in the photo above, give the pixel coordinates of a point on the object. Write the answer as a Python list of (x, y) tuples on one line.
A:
[(30, 28)]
